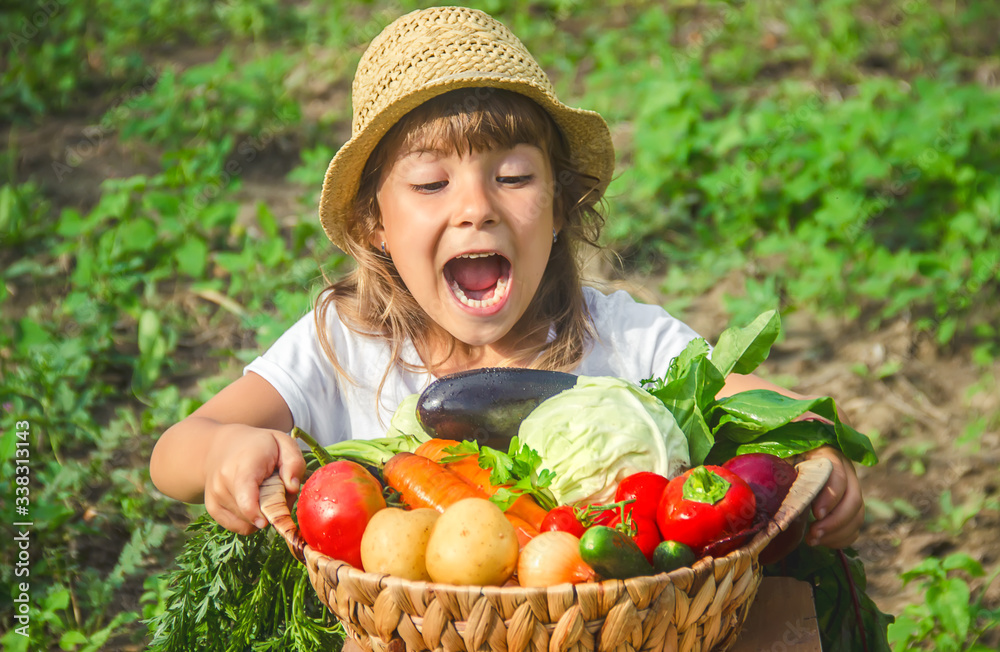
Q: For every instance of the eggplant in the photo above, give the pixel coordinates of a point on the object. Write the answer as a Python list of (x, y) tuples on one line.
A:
[(486, 405)]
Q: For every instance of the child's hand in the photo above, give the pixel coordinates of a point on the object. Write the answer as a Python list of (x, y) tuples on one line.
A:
[(240, 459), (839, 508)]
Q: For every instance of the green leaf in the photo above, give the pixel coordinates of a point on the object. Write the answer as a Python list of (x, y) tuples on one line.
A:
[(268, 222), (57, 600), (949, 603), (930, 567), (153, 348), (785, 441), (741, 350), (13, 641), (138, 235), (501, 465), (907, 629), (191, 257), (744, 416), (962, 561), (31, 335), (95, 642), (71, 639), (688, 388)]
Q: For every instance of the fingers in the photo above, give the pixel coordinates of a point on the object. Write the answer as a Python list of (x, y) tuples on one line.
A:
[(232, 487), (247, 494), (291, 463), (842, 536), (841, 526), (226, 517), (839, 509), (831, 494)]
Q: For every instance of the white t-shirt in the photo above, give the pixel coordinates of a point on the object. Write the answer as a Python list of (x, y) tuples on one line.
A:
[(634, 341)]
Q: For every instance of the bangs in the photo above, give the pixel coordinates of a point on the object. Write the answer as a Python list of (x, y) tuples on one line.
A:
[(473, 120)]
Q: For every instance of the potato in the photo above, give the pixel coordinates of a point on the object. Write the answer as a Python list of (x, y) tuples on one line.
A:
[(395, 541), (472, 543)]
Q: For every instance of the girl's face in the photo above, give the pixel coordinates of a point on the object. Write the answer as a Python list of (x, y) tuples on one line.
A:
[(470, 235)]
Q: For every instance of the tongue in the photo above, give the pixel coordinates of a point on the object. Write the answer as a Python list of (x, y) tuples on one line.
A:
[(476, 273)]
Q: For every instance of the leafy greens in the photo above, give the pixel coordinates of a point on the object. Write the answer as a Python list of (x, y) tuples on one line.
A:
[(751, 421)]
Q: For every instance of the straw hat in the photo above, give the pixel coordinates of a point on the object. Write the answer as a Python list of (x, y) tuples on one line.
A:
[(427, 53)]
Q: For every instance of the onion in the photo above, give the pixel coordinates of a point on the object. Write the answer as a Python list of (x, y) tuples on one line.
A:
[(552, 558)]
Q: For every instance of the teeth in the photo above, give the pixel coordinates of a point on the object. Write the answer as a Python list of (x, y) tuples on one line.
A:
[(498, 294), (476, 255)]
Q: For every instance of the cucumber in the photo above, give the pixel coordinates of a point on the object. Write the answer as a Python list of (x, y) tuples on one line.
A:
[(671, 555), (613, 554), (486, 405)]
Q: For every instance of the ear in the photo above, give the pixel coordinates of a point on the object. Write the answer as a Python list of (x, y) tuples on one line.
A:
[(377, 238)]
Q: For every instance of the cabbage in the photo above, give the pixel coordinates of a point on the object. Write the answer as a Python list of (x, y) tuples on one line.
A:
[(404, 420), (599, 432)]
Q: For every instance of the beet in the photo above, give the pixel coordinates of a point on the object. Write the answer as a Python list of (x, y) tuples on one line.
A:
[(768, 475)]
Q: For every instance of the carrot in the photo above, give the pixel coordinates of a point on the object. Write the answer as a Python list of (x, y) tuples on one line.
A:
[(468, 467), (525, 531), (434, 448), (422, 482)]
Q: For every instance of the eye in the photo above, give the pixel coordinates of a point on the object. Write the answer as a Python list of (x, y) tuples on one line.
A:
[(519, 180), (429, 187)]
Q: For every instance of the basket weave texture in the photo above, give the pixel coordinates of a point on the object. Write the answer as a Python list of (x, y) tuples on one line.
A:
[(696, 609)]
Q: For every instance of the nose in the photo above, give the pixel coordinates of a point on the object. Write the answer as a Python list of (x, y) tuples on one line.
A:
[(474, 204)]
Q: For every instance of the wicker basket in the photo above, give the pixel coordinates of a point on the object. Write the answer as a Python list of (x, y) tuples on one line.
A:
[(692, 609)]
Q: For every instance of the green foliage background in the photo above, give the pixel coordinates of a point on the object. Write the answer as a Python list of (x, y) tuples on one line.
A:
[(841, 154)]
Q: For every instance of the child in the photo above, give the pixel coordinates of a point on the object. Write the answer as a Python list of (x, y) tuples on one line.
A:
[(463, 194)]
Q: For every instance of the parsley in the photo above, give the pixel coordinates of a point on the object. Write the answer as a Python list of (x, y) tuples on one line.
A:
[(516, 472)]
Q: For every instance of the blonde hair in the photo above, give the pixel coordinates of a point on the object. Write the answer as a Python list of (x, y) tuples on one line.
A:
[(372, 299)]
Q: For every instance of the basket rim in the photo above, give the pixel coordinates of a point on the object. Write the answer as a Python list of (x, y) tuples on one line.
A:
[(812, 476)]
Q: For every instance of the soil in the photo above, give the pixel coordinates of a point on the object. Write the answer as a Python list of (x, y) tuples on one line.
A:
[(916, 400)]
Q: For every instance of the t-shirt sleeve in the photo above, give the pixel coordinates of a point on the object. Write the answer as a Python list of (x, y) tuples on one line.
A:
[(297, 368), (636, 340)]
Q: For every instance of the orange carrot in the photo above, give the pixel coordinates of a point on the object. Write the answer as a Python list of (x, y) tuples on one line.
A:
[(524, 530), (423, 482), (434, 448), (468, 467)]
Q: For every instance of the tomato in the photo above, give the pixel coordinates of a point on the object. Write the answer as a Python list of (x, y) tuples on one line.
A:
[(644, 531), (647, 536), (334, 507), (646, 488), (563, 518), (577, 520), (705, 504)]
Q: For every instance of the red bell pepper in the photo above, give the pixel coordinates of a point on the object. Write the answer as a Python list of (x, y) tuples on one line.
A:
[(705, 504)]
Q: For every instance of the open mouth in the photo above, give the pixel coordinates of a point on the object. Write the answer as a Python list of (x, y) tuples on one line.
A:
[(478, 280)]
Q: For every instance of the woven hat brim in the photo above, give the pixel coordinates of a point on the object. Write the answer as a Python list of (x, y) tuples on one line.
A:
[(591, 149)]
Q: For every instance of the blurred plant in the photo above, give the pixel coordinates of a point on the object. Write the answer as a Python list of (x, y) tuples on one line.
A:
[(948, 618)]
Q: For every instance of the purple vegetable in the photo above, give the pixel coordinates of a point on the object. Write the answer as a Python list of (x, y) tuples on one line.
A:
[(769, 476)]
